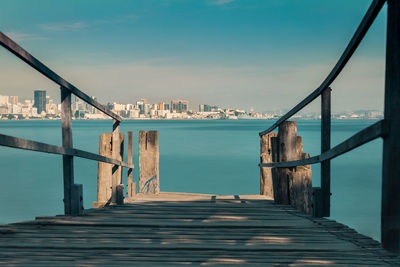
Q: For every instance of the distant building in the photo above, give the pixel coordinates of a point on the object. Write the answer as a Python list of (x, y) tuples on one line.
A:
[(40, 100), (146, 109), (4, 100), (13, 100), (180, 106), (207, 108), (140, 105), (163, 106)]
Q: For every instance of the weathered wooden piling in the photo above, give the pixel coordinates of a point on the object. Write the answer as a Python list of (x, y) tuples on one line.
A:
[(148, 162), (266, 156), (291, 185), (287, 136), (105, 170), (300, 182)]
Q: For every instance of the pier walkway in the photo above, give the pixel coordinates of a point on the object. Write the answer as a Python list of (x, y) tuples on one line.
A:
[(180, 228)]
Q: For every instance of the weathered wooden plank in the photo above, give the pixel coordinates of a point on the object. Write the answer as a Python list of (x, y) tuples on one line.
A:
[(181, 231), (17, 50), (390, 211), (362, 29), (149, 181)]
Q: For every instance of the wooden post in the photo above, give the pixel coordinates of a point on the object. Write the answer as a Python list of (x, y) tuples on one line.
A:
[(274, 171), (287, 137), (390, 219), (116, 170), (68, 161), (266, 184), (300, 182), (105, 170), (317, 208), (149, 182), (120, 194), (77, 200), (291, 185), (131, 184), (325, 146)]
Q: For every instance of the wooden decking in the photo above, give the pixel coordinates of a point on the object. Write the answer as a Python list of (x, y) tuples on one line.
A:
[(175, 229)]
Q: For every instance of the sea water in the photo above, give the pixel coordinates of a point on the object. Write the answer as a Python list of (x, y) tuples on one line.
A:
[(205, 156)]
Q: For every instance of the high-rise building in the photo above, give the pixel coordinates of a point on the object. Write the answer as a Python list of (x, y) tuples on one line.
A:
[(13, 100), (40, 100), (207, 108), (161, 105), (180, 106), (140, 105)]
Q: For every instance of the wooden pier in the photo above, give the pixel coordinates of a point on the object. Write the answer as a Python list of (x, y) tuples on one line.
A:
[(178, 229), (284, 225)]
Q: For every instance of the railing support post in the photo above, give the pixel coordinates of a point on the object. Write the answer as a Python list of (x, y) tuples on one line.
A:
[(116, 170), (325, 146), (68, 161), (390, 219)]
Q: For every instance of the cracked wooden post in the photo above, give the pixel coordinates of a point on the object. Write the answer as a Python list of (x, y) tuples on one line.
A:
[(291, 185), (104, 175), (300, 182), (287, 136), (266, 183), (148, 162)]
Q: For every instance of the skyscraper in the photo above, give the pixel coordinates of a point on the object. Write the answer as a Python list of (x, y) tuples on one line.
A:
[(14, 100), (180, 106), (40, 100)]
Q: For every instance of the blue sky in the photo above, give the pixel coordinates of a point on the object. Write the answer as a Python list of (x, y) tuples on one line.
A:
[(236, 53)]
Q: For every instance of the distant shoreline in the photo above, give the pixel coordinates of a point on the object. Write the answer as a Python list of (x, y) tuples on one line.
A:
[(160, 119)]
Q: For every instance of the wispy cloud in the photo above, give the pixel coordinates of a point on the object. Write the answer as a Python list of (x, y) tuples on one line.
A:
[(19, 37), (221, 2), (61, 27), (81, 25)]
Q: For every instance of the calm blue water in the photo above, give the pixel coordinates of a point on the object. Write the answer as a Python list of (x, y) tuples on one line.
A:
[(195, 156)]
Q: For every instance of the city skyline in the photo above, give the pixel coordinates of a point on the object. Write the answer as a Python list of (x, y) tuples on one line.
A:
[(227, 52), (43, 106)]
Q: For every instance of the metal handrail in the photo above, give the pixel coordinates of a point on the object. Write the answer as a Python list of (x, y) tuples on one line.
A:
[(388, 128), (72, 192), (362, 29), (17, 50)]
